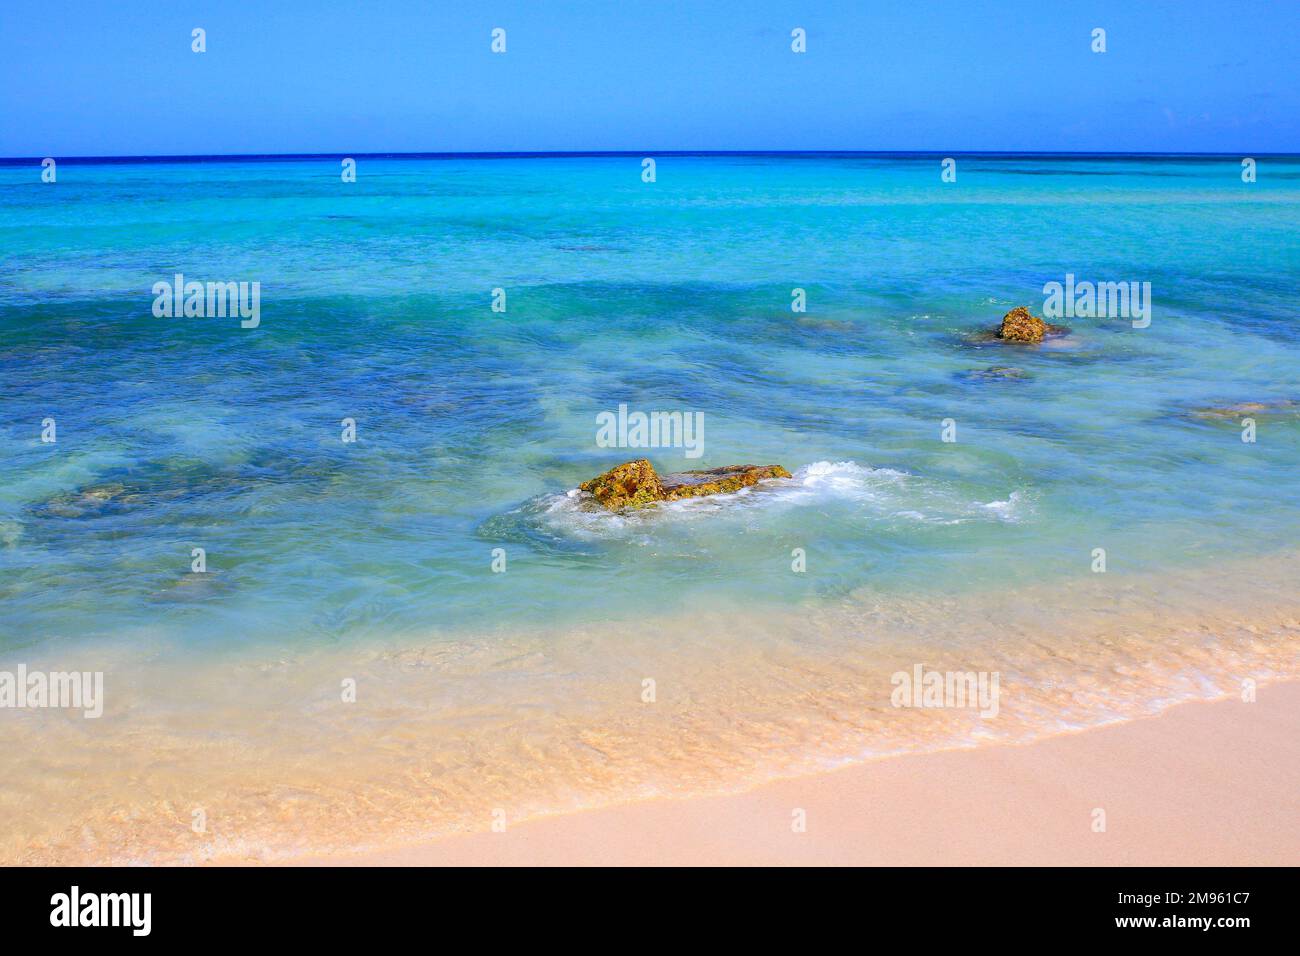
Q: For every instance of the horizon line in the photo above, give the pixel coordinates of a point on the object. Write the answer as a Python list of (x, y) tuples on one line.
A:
[(578, 154)]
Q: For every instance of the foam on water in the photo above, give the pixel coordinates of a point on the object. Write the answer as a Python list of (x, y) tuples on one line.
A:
[(857, 493)]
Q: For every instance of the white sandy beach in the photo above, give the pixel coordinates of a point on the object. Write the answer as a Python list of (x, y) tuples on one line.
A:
[(550, 731), (1201, 784)]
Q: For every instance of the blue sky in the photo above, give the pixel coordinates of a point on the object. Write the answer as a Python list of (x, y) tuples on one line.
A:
[(117, 77)]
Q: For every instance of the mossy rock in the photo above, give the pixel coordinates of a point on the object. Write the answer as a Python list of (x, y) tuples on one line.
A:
[(632, 484), (635, 484), (1020, 325), (718, 481)]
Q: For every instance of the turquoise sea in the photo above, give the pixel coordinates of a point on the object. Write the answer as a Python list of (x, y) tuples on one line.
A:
[(473, 426)]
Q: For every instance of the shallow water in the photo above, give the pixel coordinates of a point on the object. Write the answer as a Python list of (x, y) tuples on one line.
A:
[(475, 427)]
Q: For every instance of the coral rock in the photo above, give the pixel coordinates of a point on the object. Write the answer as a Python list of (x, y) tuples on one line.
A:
[(718, 481), (1019, 325), (632, 484), (635, 484)]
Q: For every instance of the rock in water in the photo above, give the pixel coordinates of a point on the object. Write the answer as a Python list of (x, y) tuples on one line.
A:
[(1019, 325), (635, 484), (632, 484), (1246, 409), (994, 373), (718, 481)]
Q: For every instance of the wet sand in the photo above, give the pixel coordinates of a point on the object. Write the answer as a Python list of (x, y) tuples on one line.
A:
[(264, 757), (1203, 783)]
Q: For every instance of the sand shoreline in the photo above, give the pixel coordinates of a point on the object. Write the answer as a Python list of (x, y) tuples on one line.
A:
[(1202, 783), (261, 757)]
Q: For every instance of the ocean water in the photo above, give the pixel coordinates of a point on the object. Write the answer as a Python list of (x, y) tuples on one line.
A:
[(328, 560)]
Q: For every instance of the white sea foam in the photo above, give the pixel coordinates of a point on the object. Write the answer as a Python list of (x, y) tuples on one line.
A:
[(876, 494), (898, 495)]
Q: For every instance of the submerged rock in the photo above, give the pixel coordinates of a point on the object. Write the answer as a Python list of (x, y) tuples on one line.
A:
[(635, 484), (89, 501), (192, 587), (997, 373), (1246, 409), (149, 485), (1020, 325)]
